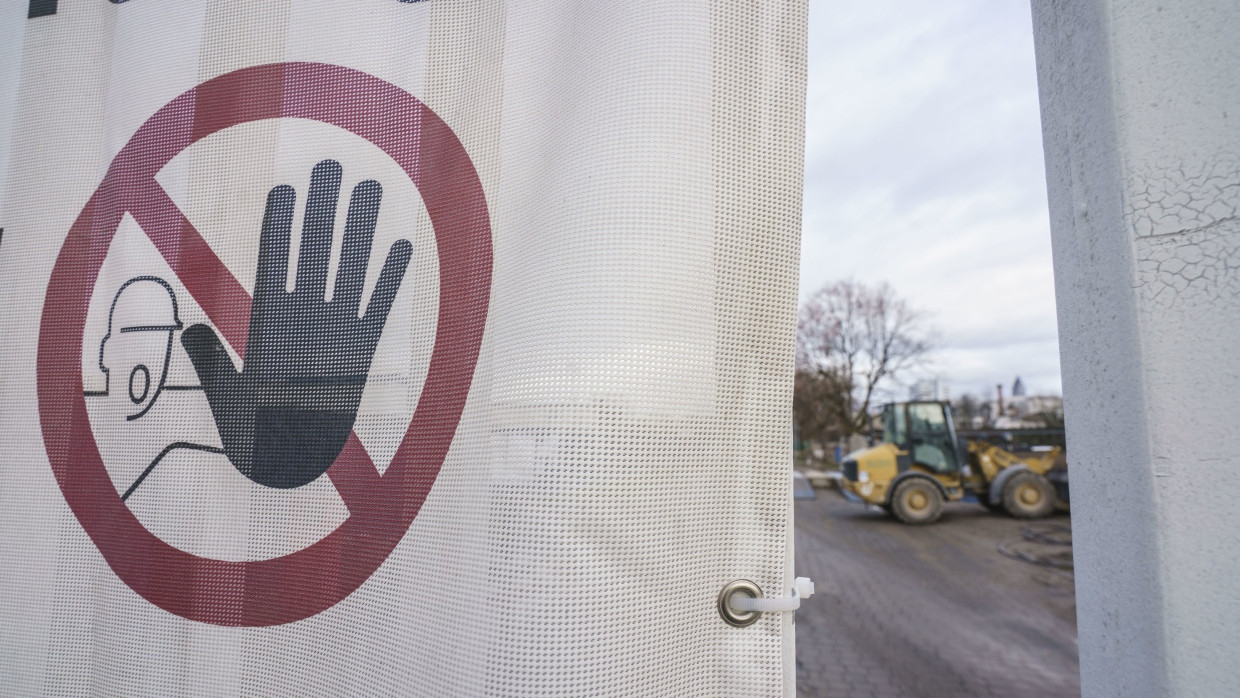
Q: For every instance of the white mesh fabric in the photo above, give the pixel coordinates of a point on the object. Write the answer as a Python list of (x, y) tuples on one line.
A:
[(624, 450)]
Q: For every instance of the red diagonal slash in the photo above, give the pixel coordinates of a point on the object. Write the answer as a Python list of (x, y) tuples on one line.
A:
[(227, 305)]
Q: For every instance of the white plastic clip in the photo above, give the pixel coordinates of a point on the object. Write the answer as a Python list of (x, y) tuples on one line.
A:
[(802, 588)]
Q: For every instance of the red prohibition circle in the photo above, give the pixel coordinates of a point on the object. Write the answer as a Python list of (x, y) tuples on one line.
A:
[(381, 507)]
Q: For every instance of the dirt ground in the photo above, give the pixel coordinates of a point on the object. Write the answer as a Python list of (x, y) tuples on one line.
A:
[(930, 611)]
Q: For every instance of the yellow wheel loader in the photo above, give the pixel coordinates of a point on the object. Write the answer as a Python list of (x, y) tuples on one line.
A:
[(921, 464)]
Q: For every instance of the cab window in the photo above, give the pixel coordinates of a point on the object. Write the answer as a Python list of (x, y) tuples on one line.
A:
[(894, 428), (931, 437), (927, 420)]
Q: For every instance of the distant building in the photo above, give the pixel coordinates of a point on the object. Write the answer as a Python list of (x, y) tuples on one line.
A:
[(929, 389), (1024, 411), (1000, 410)]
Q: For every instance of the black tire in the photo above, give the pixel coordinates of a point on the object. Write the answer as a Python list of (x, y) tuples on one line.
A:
[(1029, 496), (917, 501)]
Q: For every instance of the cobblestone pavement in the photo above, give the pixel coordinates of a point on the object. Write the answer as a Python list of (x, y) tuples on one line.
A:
[(928, 611)]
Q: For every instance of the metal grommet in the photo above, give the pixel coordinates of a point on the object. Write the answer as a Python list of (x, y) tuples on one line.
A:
[(732, 616)]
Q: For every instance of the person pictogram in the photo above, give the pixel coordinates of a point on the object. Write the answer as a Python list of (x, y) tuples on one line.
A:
[(136, 353), (141, 323)]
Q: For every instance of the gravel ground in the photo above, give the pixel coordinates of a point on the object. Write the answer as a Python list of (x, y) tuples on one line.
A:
[(932, 610)]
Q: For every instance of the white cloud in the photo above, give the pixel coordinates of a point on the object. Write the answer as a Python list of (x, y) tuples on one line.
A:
[(924, 168)]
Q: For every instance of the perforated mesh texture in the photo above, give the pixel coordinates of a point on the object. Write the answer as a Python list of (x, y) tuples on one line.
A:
[(624, 447)]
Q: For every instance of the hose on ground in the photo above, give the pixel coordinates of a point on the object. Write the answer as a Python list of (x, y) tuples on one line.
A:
[(1054, 536)]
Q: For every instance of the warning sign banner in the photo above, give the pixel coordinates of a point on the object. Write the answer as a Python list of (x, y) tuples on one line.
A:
[(430, 348)]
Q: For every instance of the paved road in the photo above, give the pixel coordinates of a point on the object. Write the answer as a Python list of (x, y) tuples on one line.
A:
[(929, 611)]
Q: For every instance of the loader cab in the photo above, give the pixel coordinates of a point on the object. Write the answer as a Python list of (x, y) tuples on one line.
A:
[(924, 431)]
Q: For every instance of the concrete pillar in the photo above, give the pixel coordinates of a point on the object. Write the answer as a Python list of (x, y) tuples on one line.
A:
[(1141, 124)]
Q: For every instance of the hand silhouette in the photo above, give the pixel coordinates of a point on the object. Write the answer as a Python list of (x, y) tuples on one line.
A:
[(286, 415)]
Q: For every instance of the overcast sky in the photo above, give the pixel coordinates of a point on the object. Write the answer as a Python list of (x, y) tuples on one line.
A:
[(924, 168)]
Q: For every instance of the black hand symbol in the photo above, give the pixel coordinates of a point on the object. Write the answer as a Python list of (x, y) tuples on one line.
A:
[(285, 417)]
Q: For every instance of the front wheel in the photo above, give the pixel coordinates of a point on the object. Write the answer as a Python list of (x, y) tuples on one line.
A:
[(917, 501), (1029, 496)]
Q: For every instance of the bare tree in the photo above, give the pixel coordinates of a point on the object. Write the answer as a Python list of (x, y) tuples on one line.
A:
[(814, 406), (853, 338), (967, 410)]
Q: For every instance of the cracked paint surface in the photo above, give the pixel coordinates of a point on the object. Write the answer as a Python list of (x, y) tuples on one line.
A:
[(1186, 223)]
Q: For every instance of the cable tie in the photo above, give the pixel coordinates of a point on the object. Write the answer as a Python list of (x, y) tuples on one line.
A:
[(802, 588)]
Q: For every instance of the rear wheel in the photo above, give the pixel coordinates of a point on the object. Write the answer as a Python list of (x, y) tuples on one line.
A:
[(917, 501), (1029, 496)]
